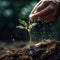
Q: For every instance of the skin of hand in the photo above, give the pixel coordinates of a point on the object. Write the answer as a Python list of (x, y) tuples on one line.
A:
[(45, 11)]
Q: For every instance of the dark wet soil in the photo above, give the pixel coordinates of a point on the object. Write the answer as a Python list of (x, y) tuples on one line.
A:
[(46, 50)]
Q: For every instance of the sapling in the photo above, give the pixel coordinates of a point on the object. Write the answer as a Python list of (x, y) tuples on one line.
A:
[(28, 27)]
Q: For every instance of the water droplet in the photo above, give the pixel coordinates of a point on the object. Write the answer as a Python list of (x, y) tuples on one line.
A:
[(43, 31), (13, 40), (43, 28)]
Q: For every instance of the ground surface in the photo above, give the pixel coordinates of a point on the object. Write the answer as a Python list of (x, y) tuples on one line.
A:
[(44, 50)]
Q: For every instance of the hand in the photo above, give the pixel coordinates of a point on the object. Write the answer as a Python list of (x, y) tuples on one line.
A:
[(45, 11)]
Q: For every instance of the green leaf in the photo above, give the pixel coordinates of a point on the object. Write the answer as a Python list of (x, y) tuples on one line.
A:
[(32, 25), (20, 27), (23, 23)]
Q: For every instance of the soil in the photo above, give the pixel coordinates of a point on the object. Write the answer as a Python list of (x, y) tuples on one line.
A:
[(44, 50)]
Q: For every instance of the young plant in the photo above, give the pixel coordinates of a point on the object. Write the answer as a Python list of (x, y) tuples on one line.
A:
[(28, 27)]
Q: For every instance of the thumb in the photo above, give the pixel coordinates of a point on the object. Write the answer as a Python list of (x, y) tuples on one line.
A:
[(32, 16)]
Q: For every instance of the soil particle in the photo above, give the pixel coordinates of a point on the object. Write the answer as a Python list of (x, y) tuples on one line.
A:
[(47, 50)]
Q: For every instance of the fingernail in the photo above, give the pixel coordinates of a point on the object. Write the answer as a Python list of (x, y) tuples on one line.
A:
[(31, 16)]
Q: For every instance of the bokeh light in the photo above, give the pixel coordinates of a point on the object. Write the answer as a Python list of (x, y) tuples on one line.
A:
[(25, 11), (8, 12), (4, 3)]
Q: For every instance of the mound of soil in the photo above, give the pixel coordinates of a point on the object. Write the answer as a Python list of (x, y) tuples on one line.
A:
[(44, 50)]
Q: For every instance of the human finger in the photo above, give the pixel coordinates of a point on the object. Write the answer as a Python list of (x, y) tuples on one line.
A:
[(45, 11), (36, 6)]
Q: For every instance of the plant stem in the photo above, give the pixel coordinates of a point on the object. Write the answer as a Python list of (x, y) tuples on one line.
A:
[(29, 30), (30, 38), (30, 41)]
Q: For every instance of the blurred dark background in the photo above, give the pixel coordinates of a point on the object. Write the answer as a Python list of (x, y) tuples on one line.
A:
[(10, 12)]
